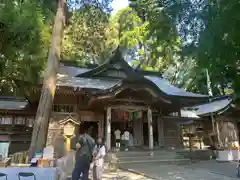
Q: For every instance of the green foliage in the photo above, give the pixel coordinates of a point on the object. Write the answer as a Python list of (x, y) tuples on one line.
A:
[(23, 44), (209, 39), (180, 38), (88, 37), (220, 43), (25, 33), (144, 40)]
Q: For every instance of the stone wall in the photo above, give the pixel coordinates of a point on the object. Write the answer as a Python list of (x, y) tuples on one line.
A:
[(228, 131), (55, 136)]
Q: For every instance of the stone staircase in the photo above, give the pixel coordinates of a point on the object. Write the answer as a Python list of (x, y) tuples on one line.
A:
[(196, 154), (165, 157)]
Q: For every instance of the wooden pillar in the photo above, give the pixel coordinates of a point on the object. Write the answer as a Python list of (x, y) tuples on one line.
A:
[(150, 128), (141, 132), (108, 129), (136, 133), (179, 126), (159, 127), (101, 127)]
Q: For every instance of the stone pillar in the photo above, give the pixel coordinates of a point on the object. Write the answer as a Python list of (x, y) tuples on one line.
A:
[(54, 129), (150, 128), (108, 129), (68, 143)]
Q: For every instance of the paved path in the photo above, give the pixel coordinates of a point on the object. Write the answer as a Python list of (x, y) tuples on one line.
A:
[(122, 175), (174, 172), (222, 168)]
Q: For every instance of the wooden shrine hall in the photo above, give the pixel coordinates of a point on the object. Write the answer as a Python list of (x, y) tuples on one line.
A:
[(105, 98)]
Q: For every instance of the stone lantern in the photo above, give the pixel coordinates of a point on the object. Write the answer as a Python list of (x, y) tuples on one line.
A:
[(69, 124), (68, 129)]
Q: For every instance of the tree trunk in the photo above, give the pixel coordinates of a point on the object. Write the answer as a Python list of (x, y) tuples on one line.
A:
[(41, 123)]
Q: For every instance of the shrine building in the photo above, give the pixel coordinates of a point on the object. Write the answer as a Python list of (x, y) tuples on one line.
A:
[(104, 98)]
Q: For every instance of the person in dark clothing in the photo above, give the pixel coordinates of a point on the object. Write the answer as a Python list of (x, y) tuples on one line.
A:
[(84, 152)]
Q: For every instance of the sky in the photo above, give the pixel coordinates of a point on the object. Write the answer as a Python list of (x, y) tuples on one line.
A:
[(118, 4)]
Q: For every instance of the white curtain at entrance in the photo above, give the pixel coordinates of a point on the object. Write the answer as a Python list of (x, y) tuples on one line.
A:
[(131, 142)]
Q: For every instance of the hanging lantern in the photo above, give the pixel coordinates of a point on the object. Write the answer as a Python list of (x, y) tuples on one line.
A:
[(139, 114), (129, 116), (134, 115), (124, 115)]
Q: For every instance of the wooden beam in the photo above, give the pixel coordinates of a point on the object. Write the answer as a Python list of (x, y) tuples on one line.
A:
[(129, 107), (112, 94), (92, 99), (129, 100)]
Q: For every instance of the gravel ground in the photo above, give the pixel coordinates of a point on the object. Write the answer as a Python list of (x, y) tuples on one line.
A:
[(174, 172)]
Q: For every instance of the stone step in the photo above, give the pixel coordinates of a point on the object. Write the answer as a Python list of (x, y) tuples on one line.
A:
[(196, 154), (150, 157), (184, 161), (145, 153), (164, 157), (159, 157)]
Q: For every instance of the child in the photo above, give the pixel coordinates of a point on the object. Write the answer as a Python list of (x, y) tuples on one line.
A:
[(98, 157)]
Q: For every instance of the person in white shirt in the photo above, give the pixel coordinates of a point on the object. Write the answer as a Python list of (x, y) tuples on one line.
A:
[(126, 138), (117, 138), (98, 157)]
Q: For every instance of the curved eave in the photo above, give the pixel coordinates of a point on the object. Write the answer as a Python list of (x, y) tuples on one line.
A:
[(109, 88), (171, 90), (150, 87), (218, 112), (180, 100), (216, 107), (125, 84)]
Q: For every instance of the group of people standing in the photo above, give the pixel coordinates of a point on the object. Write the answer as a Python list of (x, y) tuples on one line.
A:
[(122, 139), (87, 152)]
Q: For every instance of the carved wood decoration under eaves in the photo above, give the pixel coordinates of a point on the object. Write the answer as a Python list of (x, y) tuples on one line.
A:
[(116, 71), (69, 119)]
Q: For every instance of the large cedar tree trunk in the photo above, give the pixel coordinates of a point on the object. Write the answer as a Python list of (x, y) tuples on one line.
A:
[(40, 128)]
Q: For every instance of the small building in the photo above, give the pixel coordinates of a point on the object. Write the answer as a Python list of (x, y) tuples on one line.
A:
[(102, 99), (221, 115)]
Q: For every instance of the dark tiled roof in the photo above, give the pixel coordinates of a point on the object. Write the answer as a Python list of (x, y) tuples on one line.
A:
[(87, 83), (71, 71), (69, 78), (216, 106), (169, 89), (12, 103)]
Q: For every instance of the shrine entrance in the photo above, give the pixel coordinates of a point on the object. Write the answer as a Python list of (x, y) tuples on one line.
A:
[(130, 120)]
